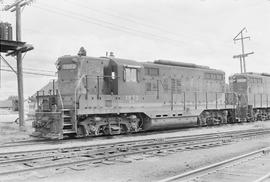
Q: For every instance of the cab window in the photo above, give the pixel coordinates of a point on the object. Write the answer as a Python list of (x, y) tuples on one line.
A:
[(151, 71), (130, 74), (68, 66)]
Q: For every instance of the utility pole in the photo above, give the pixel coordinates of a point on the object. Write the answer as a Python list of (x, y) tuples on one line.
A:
[(241, 66), (0, 70), (16, 6), (19, 67), (243, 55)]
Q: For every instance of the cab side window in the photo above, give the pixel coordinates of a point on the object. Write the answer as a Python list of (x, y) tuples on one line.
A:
[(130, 74), (151, 71)]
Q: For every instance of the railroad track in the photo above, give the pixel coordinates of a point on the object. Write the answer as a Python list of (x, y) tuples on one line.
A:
[(250, 132), (41, 141), (27, 161), (25, 143), (250, 167), (46, 141)]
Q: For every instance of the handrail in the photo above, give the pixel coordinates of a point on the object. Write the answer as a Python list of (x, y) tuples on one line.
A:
[(75, 98), (61, 100)]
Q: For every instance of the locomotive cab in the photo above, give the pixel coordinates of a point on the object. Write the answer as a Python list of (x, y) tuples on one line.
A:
[(89, 90), (256, 89), (116, 85), (54, 113), (123, 77), (239, 86), (239, 83), (67, 67)]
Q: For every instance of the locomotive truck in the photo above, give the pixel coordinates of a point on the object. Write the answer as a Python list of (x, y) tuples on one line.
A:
[(108, 96)]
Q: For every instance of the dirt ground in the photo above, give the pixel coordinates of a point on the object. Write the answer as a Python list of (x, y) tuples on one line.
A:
[(144, 168), (10, 130), (135, 168)]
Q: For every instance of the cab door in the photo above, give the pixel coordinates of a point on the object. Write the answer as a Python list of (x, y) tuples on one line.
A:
[(111, 79)]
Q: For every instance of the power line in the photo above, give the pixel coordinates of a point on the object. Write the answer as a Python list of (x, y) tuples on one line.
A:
[(102, 23), (30, 73), (126, 18), (243, 55), (33, 69), (25, 68)]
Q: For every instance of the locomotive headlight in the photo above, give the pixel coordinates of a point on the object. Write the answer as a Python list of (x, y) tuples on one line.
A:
[(132, 117), (113, 75), (97, 118)]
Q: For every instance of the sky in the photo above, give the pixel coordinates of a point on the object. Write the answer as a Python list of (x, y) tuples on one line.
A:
[(194, 31)]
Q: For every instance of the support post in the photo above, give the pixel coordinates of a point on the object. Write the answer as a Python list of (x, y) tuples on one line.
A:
[(243, 52), (243, 55), (53, 88), (157, 89), (37, 97), (172, 90), (86, 85), (19, 67), (0, 72), (184, 101), (267, 101), (225, 103), (206, 100), (196, 100), (261, 100), (16, 6), (216, 100), (254, 100), (241, 66), (97, 87)]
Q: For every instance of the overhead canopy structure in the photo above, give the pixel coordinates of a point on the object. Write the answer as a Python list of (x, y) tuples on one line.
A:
[(10, 45), (15, 48)]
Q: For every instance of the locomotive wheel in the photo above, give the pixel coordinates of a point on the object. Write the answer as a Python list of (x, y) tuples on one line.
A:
[(70, 135), (209, 122), (123, 129), (97, 132)]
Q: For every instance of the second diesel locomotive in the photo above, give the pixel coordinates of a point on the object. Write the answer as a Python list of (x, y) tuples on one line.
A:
[(253, 90), (108, 95)]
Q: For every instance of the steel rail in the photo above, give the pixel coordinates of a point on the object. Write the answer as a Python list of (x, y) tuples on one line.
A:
[(108, 150), (204, 170), (25, 142), (45, 141), (107, 155), (98, 148), (263, 178), (104, 149), (132, 150), (179, 138), (183, 138)]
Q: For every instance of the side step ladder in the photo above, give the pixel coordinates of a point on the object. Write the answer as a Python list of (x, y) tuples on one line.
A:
[(68, 128)]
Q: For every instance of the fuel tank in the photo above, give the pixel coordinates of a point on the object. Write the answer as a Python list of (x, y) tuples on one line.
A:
[(170, 123)]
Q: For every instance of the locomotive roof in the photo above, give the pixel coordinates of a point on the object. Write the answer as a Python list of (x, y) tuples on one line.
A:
[(67, 58), (119, 61), (126, 62), (132, 63), (251, 74), (182, 65)]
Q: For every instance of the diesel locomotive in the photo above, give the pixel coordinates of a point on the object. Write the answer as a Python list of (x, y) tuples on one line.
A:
[(108, 96), (253, 91)]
